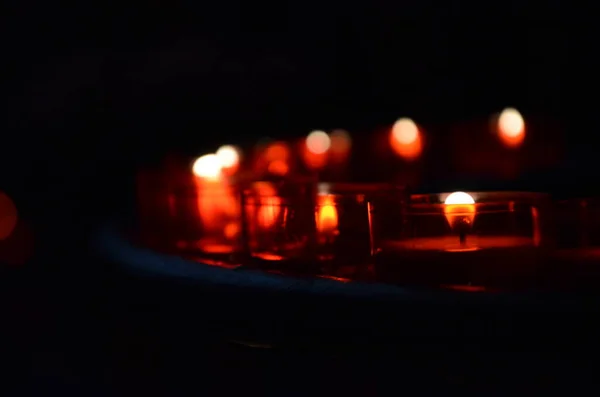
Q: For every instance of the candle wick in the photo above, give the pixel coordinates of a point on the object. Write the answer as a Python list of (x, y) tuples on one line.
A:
[(463, 227), (462, 236)]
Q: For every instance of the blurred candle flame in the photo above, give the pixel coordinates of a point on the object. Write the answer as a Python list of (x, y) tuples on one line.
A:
[(217, 203), (406, 140), (207, 167), (269, 205), (278, 167), (277, 158), (327, 216), (511, 127), (340, 145)]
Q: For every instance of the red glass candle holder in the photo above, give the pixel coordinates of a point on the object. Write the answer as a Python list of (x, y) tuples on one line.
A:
[(489, 239), (576, 262), (279, 226), (208, 220), (344, 233), (578, 223), (187, 215)]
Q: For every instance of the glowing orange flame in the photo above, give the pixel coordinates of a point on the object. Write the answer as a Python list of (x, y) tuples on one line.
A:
[(277, 151), (217, 204), (511, 127), (406, 140), (327, 216), (459, 206), (207, 167), (277, 158), (278, 167), (269, 205)]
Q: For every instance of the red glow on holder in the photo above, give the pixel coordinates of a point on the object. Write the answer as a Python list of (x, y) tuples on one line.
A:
[(278, 167), (341, 144), (276, 157), (278, 151), (270, 205)]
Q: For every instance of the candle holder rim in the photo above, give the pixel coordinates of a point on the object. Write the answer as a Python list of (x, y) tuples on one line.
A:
[(341, 188), (439, 207), (487, 197)]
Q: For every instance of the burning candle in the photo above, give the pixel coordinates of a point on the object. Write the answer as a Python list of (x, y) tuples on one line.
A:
[(459, 209), (210, 213), (492, 239), (343, 227), (327, 219)]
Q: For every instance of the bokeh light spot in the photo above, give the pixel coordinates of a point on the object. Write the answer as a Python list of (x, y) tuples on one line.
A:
[(511, 127), (340, 141), (405, 131), (318, 142), (207, 166), (406, 140), (228, 155)]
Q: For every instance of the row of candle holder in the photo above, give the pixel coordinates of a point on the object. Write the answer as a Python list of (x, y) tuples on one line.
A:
[(373, 231)]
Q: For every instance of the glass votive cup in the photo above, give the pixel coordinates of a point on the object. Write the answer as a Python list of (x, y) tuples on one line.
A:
[(279, 225), (207, 221), (576, 262), (486, 239), (578, 223), (344, 233)]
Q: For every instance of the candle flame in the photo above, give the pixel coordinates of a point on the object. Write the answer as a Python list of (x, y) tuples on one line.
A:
[(327, 216), (459, 206), (207, 167), (459, 198), (278, 167), (269, 205), (277, 158)]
